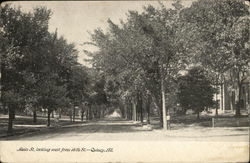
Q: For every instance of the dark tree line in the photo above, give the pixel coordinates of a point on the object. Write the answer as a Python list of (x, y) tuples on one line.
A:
[(38, 68), (147, 52), (139, 63)]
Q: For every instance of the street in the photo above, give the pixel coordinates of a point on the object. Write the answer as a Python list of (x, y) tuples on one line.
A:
[(121, 130), (155, 81)]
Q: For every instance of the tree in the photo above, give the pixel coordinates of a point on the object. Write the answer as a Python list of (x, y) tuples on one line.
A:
[(240, 55), (78, 87), (56, 74), (195, 91), (99, 95), (52, 95), (23, 37), (218, 36), (35, 64), (148, 46)]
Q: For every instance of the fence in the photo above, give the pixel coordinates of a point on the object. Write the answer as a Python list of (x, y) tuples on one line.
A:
[(230, 122)]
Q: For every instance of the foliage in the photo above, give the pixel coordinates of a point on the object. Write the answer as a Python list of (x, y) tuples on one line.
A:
[(195, 91), (142, 52), (218, 34), (37, 68)]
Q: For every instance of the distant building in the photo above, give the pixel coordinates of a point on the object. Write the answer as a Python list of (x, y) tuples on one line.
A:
[(229, 95)]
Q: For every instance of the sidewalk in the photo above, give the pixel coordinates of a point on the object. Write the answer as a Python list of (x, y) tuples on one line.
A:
[(24, 125)]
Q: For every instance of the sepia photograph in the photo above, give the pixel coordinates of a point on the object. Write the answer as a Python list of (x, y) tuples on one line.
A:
[(85, 78)]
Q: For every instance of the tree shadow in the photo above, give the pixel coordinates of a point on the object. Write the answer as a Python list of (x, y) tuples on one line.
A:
[(102, 126)]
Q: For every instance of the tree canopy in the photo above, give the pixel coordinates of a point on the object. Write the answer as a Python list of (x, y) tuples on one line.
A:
[(195, 91)]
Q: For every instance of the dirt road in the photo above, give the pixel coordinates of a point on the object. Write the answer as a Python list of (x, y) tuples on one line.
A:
[(118, 129)]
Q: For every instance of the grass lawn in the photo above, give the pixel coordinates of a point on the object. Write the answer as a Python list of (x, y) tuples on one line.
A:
[(190, 120), (24, 124)]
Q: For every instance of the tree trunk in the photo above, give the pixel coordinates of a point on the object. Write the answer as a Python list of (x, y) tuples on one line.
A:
[(90, 113), (137, 108), (70, 115), (82, 113), (74, 113), (158, 105), (148, 109), (198, 115), (102, 113), (6, 109), (87, 113), (131, 110), (60, 113), (48, 123), (216, 95), (216, 110), (128, 110), (217, 104), (138, 113), (34, 116), (11, 118), (14, 114), (134, 110), (45, 112), (52, 115), (99, 112), (222, 96), (232, 101), (141, 107), (164, 121), (237, 113), (238, 107), (125, 111)]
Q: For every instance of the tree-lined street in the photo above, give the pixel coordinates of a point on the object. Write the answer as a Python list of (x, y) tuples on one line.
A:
[(177, 67), (116, 129)]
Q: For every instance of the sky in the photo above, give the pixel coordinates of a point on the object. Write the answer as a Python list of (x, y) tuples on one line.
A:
[(74, 19)]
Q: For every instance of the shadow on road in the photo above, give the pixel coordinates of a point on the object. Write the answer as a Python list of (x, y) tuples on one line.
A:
[(116, 129), (96, 126)]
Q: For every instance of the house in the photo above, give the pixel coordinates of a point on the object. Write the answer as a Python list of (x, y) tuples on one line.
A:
[(229, 96)]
